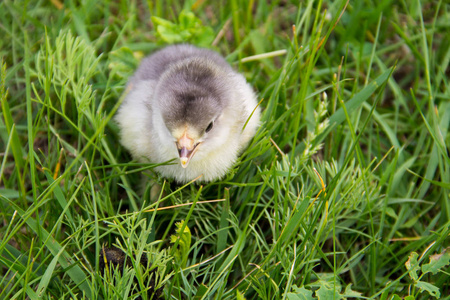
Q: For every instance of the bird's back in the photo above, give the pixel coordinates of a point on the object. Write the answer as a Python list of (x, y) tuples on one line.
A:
[(156, 64)]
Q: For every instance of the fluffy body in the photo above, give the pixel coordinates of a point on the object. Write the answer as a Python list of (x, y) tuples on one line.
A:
[(182, 87)]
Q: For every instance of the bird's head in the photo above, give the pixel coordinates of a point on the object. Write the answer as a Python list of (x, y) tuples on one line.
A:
[(191, 101)]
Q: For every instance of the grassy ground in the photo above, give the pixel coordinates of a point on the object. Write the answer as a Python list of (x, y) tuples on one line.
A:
[(343, 193)]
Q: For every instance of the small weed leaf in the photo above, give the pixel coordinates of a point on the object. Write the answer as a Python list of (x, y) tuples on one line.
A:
[(188, 29), (351, 293), (182, 251), (327, 292), (412, 266), (437, 262), (300, 294), (431, 289)]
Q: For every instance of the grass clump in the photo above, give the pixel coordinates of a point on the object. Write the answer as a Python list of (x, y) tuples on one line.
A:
[(343, 193)]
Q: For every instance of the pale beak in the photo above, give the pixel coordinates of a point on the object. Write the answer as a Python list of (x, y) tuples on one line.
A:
[(186, 149)]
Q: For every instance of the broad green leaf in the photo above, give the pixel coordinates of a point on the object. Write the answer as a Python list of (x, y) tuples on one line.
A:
[(413, 266), (204, 37), (351, 293), (172, 35), (437, 262), (160, 21), (300, 294), (187, 19), (189, 28), (431, 289), (328, 293)]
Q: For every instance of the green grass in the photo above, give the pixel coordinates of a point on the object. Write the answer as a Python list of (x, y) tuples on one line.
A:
[(343, 193)]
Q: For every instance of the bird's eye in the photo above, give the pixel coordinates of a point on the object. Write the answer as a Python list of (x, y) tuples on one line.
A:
[(210, 126)]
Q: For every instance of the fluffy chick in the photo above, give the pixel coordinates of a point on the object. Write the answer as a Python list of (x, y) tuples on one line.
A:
[(187, 103)]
